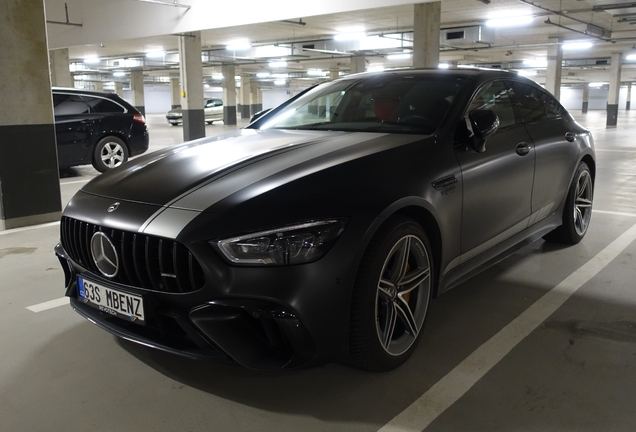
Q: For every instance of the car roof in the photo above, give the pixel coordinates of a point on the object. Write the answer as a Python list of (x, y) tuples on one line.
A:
[(479, 74)]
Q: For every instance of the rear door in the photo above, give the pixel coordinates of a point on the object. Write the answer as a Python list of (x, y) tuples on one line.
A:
[(73, 129), (554, 152), (497, 184)]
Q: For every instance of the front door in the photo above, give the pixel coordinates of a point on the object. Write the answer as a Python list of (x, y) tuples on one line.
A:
[(497, 184)]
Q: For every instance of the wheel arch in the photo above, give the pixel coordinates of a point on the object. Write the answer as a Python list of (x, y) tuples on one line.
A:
[(591, 164), (421, 211)]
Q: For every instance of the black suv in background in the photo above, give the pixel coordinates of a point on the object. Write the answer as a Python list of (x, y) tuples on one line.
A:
[(96, 128)]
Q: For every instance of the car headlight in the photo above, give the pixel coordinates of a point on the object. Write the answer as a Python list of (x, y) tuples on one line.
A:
[(294, 244)]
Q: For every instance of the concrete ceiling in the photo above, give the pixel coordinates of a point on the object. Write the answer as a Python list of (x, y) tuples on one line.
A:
[(554, 21)]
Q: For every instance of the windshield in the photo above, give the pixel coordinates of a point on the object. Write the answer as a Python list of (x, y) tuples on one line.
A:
[(382, 103)]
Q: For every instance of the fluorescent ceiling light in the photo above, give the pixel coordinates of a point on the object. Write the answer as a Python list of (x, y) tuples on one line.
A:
[(375, 68), (91, 60), (316, 72), (443, 65), (280, 76), (280, 82), (527, 73), (239, 46), (278, 64), (597, 84), (577, 45), (402, 56), (119, 74), (511, 21), (630, 57), (536, 63), (262, 75), (155, 54), (217, 76), (350, 36)]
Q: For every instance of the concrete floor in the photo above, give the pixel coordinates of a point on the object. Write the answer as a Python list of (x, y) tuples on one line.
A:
[(543, 341)]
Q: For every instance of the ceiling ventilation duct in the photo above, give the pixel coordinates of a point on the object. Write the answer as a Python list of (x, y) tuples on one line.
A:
[(467, 36)]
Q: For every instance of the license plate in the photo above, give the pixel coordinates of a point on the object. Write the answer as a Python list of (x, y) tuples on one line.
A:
[(115, 302)]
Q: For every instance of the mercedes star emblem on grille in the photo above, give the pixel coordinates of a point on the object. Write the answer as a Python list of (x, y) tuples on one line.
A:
[(104, 254), (113, 207)]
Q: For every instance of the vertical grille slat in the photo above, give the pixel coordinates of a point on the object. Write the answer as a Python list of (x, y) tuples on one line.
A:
[(176, 266), (146, 262)]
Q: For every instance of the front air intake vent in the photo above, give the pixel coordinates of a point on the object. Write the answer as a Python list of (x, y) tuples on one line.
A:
[(147, 262)]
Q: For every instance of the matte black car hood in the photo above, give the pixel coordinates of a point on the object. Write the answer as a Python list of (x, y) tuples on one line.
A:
[(196, 174)]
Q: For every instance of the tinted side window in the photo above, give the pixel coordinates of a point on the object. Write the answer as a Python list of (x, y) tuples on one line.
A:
[(527, 103), (552, 106), (99, 105), (495, 96), (64, 104), (209, 103), (218, 102)]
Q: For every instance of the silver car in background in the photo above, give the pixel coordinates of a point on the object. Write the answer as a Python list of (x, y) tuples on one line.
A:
[(213, 111)]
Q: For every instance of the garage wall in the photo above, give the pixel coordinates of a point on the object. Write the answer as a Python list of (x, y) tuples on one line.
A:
[(572, 98), (157, 97)]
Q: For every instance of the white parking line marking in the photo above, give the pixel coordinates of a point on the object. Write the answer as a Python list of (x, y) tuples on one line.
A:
[(457, 382), (74, 182), (51, 304), (29, 228), (614, 213), (615, 151)]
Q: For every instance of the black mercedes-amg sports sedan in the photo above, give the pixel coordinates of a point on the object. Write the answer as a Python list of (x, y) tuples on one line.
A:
[(322, 231)]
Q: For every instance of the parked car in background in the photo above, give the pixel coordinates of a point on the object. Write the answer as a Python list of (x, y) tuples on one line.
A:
[(96, 128), (212, 110), (322, 231)]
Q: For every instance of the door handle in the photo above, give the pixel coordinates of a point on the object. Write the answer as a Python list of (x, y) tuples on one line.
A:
[(523, 149), (570, 136)]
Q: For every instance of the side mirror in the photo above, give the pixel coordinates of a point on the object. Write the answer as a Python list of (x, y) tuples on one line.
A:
[(259, 114), (484, 123)]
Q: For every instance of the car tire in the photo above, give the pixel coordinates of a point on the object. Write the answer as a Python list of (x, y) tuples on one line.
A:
[(391, 296), (578, 209), (210, 122), (174, 124), (110, 152)]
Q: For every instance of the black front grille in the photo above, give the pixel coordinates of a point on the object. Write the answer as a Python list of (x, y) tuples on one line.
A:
[(148, 262)]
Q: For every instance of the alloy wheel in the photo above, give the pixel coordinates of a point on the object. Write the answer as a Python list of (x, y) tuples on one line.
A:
[(112, 154), (583, 202), (403, 294)]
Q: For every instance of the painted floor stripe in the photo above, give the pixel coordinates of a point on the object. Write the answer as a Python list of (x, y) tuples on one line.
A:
[(75, 182), (28, 228), (51, 304), (456, 383), (614, 213)]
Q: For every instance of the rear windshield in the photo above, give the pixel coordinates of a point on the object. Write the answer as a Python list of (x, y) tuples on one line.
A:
[(384, 103)]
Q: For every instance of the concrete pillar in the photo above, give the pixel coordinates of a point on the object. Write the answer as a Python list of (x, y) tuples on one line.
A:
[(137, 87), (175, 93), (191, 69), (586, 98), (229, 94), (60, 68), (29, 179), (257, 97), (119, 89), (554, 71), (614, 89), (99, 86), (629, 96), (245, 96), (358, 64), (426, 25), (334, 73)]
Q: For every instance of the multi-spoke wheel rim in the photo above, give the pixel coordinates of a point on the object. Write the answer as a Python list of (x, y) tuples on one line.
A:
[(583, 203), (402, 295), (112, 154)]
